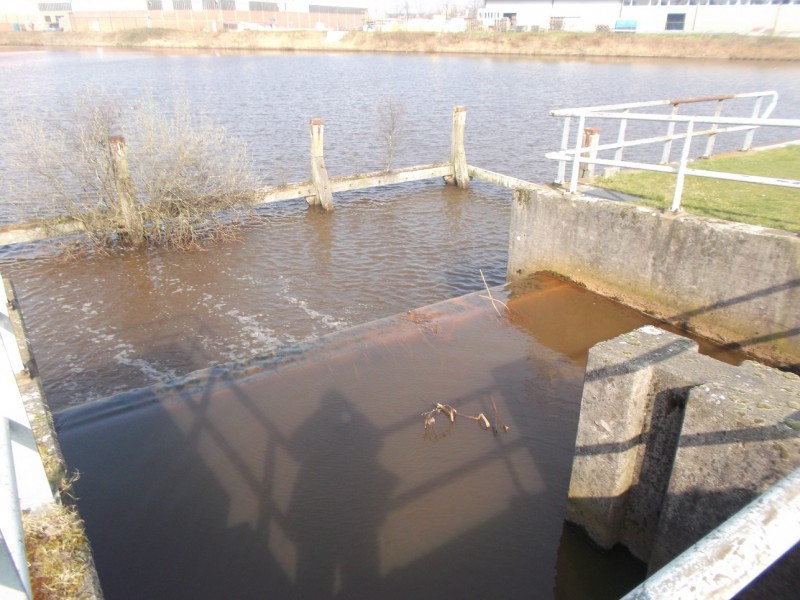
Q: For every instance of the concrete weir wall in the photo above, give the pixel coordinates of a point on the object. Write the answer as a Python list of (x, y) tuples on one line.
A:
[(731, 282), (672, 443)]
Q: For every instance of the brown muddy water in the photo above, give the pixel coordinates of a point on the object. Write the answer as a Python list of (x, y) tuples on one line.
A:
[(310, 474)]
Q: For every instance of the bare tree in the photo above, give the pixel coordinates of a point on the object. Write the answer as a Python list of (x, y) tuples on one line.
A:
[(392, 116)]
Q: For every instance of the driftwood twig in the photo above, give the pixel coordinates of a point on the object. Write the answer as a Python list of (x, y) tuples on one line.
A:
[(451, 414), (491, 298)]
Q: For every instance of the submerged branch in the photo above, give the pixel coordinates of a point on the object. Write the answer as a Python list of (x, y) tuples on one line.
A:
[(451, 414), (491, 298)]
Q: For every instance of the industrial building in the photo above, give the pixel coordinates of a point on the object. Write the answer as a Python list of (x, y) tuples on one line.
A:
[(781, 17), (187, 15)]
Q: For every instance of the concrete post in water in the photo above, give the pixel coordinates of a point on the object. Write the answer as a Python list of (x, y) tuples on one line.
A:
[(458, 157), (591, 139), (126, 193), (319, 173)]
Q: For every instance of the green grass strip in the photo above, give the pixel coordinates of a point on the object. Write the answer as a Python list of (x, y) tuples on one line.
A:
[(768, 206)]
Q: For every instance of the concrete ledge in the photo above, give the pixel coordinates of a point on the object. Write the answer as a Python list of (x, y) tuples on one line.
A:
[(731, 282), (671, 443), (740, 436)]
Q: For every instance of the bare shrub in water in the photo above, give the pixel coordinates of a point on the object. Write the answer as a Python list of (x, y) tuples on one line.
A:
[(177, 179)]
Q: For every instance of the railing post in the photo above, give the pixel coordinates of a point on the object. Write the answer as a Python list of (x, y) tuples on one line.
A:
[(458, 156), (9, 340), (687, 144), (14, 575), (576, 158), (591, 139), (562, 164), (623, 126), (748, 137), (712, 137), (670, 133), (319, 173)]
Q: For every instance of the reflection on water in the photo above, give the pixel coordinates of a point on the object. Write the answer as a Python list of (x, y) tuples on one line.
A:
[(342, 490), (308, 475)]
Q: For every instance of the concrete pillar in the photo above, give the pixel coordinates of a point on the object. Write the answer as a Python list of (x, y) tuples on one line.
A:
[(631, 413), (319, 173), (458, 156), (740, 436), (591, 139)]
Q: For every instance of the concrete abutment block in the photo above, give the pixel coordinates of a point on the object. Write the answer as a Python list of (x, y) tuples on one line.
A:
[(671, 443)]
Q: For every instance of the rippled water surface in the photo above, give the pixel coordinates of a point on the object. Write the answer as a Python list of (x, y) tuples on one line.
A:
[(127, 320), (108, 323)]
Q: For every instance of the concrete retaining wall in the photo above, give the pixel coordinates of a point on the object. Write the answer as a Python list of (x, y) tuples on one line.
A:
[(731, 282), (671, 443)]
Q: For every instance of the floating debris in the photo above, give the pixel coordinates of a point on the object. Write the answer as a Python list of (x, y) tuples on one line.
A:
[(451, 414)]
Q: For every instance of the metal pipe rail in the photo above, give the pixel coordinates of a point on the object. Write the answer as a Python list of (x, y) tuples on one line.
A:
[(14, 576), (23, 480), (579, 154), (726, 560)]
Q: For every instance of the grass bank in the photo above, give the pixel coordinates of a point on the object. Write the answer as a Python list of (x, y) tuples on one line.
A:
[(726, 47), (768, 206)]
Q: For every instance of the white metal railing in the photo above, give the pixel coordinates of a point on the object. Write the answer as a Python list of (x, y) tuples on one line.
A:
[(735, 553), (14, 577), (23, 481), (578, 152)]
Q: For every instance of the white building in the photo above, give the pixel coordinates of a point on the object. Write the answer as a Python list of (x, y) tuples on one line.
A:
[(648, 16)]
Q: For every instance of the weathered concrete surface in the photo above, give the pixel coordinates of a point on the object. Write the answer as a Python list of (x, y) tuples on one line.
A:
[(731, 282), (631, 415), (739, 437), (671, 443)]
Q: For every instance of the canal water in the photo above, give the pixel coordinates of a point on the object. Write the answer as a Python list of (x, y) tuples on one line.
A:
[(312, 473), (104, 324), (214, 490)]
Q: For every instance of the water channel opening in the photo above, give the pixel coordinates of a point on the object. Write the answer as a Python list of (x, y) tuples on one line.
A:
[(308, 474)]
